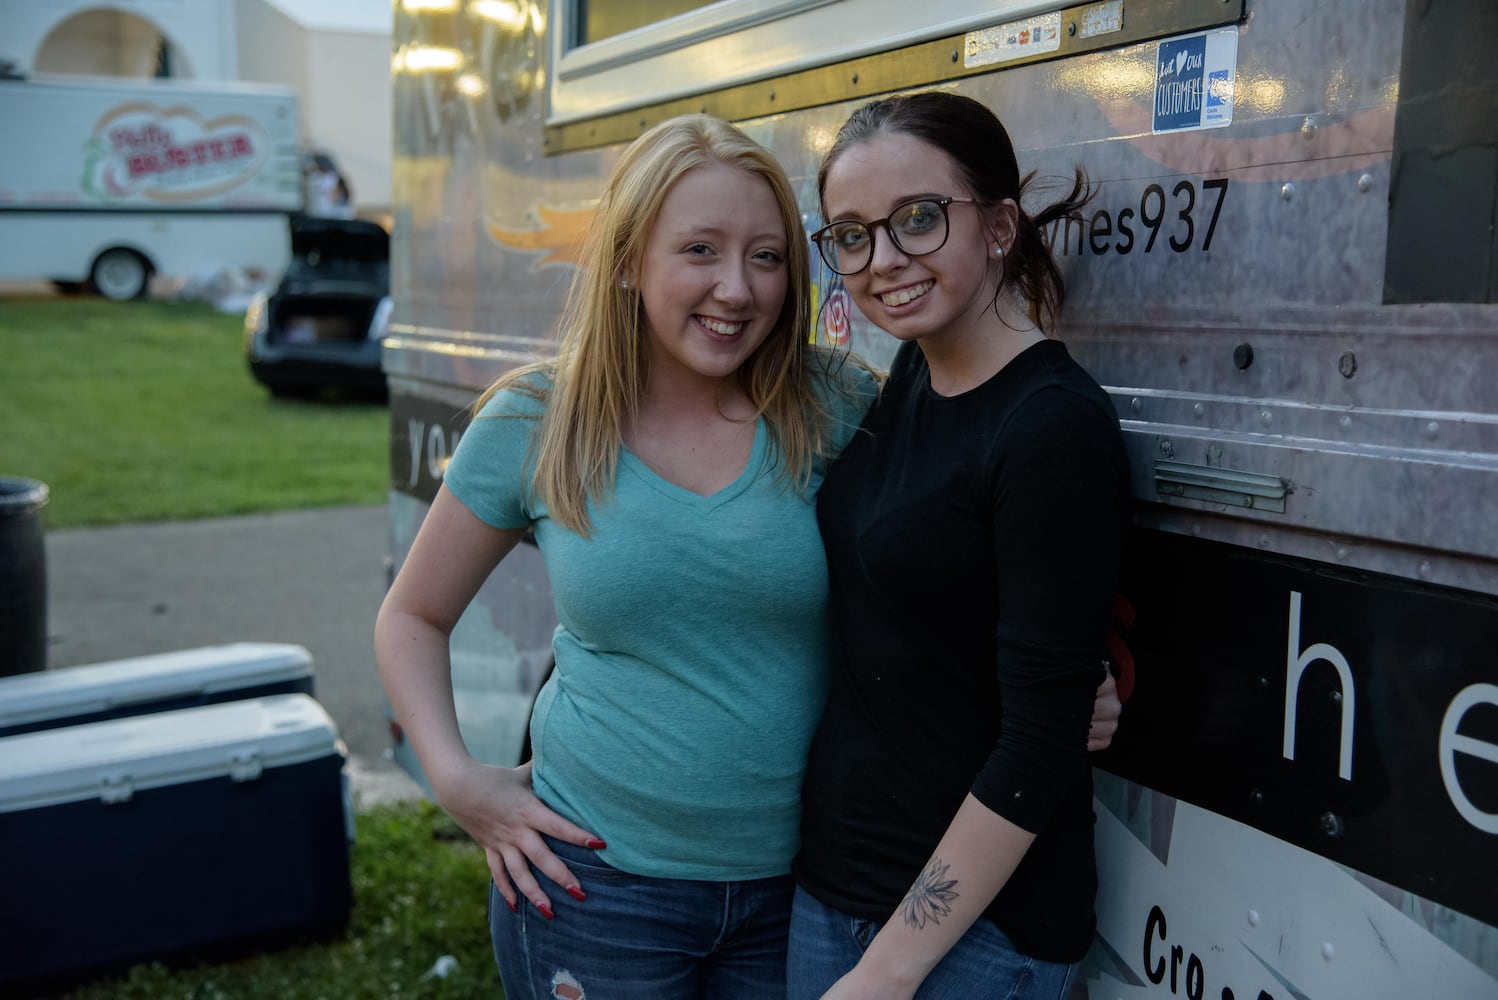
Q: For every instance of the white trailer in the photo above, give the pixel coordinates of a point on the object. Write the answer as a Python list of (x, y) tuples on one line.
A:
[(110, 182)]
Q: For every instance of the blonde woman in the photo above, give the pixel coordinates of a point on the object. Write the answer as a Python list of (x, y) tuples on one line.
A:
[(666, 459)]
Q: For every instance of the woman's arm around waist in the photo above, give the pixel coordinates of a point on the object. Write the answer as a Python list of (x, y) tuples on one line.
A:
[(452, 556)]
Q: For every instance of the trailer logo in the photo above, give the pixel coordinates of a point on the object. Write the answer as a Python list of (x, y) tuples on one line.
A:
[(559, 237), (141, 151), (423, 436), (1194, 81)]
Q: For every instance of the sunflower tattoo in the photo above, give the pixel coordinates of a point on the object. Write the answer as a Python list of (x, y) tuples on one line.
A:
[(930, 898)]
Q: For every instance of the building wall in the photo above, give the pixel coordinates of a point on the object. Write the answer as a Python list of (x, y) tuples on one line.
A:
[(199, 31), (271, 48), (103, 43), (343, 78), (347, 111)]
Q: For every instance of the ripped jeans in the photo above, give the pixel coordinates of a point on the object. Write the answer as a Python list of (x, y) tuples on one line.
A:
[(642, 938)]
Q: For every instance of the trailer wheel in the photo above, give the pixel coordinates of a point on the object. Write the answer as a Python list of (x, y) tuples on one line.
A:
[(119, 274)]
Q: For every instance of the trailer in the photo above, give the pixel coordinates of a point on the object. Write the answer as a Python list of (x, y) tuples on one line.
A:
[(110, 182), (1288, 284)]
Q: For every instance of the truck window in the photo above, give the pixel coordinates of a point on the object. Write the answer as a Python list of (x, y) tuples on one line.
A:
[(593, 22), (1443, 245)]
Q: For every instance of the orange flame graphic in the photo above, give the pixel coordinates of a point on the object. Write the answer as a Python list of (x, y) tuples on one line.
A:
[(561, 235)]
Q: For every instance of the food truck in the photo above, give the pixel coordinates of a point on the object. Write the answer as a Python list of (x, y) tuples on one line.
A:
[(1286, 282), (109, 182)]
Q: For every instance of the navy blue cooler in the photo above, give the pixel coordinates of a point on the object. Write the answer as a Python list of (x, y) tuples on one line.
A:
[(162, 682), (202, 833)]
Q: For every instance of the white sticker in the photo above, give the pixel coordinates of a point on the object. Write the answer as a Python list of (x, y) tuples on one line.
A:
[(1194, 77), (1100, 19), (1015, 40)]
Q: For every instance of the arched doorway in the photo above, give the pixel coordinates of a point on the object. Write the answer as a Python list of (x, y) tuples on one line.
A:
[(104, 42)]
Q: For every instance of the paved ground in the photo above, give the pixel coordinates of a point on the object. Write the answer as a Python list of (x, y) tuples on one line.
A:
[(314, 578)]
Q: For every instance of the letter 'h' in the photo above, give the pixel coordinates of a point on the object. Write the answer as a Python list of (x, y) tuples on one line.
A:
[(1295, 667)]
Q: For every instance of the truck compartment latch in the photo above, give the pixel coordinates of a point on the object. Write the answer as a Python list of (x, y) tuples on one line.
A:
[(1254, 490)]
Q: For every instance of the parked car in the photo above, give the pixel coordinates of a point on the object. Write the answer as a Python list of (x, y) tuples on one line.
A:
[(324, 324)]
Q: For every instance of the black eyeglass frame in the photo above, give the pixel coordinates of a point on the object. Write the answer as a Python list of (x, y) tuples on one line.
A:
[(826, 231)]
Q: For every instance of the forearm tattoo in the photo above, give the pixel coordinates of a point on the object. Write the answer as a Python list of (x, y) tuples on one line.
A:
[(930, 898)]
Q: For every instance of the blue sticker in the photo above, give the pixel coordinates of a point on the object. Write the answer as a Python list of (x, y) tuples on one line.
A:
[(1219, 88), (1194, 80), (1180, 83)]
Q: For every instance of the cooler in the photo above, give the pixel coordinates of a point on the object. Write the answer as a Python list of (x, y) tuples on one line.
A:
[(119, 688), (200, 833)]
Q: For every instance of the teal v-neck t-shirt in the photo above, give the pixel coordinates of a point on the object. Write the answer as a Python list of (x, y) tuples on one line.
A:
[(691, 650)]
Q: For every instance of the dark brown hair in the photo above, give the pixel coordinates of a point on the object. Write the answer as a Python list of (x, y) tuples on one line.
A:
[(979, 145)]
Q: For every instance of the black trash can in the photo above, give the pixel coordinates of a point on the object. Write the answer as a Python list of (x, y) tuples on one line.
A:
[(23, 577)]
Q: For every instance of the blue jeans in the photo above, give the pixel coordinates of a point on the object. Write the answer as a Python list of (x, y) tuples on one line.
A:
[(642, 938), (982, 965)]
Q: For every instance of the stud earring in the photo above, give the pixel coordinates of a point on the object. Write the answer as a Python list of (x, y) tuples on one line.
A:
[(998, 250), (624, 283)]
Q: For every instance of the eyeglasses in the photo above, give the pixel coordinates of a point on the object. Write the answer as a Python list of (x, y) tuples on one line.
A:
[(916, 228)]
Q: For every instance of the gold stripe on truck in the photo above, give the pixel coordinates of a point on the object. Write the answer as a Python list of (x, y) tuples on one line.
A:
[(925, 64)]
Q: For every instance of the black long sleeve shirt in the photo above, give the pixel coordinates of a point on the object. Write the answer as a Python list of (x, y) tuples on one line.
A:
[(973, 546)]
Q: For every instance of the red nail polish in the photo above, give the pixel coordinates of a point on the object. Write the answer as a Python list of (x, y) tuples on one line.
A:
[(595, 844), (576, 893), (513, 908), (546, 911)]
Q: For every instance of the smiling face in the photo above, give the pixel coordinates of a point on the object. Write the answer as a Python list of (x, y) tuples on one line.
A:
[(713, 274), (946, 295)]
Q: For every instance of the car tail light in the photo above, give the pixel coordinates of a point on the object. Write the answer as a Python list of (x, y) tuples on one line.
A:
[(379, 324)]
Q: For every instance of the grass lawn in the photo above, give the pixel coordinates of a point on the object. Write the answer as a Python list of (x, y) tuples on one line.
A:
[(419, 893), (146, 411)]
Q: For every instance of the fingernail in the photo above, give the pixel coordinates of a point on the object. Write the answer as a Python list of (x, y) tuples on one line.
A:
[(576, 893), (545, 909), (595, 844), (513, 908)]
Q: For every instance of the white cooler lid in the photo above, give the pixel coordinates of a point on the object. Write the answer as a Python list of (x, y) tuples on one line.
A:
[(114, 759), (102, 687)]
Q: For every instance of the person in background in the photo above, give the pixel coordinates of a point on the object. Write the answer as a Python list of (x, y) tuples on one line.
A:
[(973, 532), (328, 193), (322, 181), (343, 198)]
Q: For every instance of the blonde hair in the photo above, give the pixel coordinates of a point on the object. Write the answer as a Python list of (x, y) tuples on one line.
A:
[(601, 367)]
